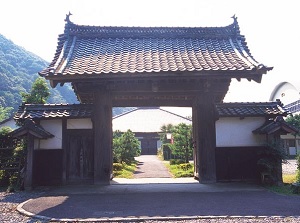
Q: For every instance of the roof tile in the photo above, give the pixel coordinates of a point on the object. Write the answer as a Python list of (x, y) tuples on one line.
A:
[(84, 50)]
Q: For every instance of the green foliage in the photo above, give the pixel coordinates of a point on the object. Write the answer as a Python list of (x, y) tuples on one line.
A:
[(165, 129), (123, 170), (18, 70), (176, 161), (117, 166), (12, 155), (182, 141), (125, 147), (298, 170), (270, 160), (5, 130), (5, 112), (185, 166), (39, 92), (181, 170), (295, 121)]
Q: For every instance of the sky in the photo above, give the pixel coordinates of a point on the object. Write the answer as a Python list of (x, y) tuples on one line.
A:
[(271, 28)]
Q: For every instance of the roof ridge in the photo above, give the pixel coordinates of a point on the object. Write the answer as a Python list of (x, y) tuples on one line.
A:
[(168, 31), (70, 23), (175, 114)]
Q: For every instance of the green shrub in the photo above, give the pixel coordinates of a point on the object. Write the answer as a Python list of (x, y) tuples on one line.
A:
[(184, 174), (176, 161), (125, 147), (185, 166), (117, 166), (298, 169), (4, 178)]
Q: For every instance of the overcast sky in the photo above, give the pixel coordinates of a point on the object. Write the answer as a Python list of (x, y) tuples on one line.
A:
[(271, 28)]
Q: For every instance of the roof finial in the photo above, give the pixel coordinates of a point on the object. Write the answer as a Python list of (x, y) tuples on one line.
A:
[(67, 19), (234, 18)]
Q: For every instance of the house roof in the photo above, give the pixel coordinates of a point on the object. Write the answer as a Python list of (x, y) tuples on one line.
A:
[(147, 120), (96, 51), (30, 127), (48, 111), (276, 125), (254, 109), (54, 111)]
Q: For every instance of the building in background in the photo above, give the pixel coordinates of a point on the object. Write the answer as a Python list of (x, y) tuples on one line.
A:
[(289, 94)]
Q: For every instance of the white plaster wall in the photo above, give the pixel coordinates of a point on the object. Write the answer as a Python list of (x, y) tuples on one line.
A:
[(83, 123), (238, 132), (55, 128)]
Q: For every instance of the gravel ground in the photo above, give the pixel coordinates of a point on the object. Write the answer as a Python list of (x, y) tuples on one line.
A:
[(9, 202)]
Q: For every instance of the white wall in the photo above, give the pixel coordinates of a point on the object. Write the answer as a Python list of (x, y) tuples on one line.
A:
[(53, 126), (238, 132), (84, 123)]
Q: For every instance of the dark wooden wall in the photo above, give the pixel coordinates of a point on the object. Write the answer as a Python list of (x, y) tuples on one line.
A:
[(80, 156), (237, 163), (47, 167), (148, 143)]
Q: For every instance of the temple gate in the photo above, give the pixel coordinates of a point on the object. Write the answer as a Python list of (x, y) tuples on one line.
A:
[(141, 66)]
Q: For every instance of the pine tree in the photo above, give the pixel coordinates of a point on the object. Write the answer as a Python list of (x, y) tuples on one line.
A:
[(39, 92)]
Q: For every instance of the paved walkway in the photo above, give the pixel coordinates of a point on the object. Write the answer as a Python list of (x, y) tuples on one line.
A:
[(149, 166), (154, 198), (136, 202)]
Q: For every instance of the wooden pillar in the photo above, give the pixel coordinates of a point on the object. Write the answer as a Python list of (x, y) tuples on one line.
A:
[(102, 137), (28, 181), (204, 131), (64, 151)]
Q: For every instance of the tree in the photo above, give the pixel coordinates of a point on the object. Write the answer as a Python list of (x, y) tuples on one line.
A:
[(165, 129), (39, 92), (5, 112), (294, 120), (125, 147), (182, 141)]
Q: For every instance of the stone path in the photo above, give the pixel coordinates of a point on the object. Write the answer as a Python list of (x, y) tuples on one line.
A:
[(150, 166)]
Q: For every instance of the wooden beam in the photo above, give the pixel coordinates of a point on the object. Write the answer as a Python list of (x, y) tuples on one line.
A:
[(64, 151), (102, 122), (28, 181)]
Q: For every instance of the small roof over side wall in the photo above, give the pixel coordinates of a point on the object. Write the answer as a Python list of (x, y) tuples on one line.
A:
[(57, 111), (254, 109), (276, 125), (30, 127), (89, 52), (53, 111)]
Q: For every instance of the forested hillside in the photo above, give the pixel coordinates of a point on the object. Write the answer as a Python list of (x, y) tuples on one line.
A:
[(18, 70)]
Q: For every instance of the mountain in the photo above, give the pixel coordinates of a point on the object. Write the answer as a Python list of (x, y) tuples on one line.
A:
[(18, 70)]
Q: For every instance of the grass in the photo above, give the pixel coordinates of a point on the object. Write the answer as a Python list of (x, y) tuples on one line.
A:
[(285, 189), (289, 178), (180, 170), (126, 171)]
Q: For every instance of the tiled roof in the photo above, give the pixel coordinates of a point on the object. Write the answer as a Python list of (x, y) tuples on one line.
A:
[(48, 111), (251, 109), (29, 126), (92, 50), (278, 124)]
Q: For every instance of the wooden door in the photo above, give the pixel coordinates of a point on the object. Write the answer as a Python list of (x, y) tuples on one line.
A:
[(80, 156)]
